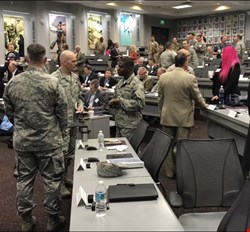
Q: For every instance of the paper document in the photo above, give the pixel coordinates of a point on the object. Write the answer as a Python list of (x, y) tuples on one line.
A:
[(134, 162)]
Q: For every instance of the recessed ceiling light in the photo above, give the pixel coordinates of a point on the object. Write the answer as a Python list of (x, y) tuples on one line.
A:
[(183, 5), (111, 4), (222, 8), (135, 7)]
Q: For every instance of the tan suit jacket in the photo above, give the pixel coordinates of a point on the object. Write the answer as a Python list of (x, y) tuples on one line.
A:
[(176, 91)]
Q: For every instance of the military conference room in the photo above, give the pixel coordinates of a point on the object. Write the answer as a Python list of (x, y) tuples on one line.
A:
[(125, 115)]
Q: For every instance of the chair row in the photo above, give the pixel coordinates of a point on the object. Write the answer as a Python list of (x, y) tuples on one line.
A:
[(208, 174)]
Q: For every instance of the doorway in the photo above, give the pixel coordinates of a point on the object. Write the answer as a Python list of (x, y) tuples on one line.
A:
[(161, 34)]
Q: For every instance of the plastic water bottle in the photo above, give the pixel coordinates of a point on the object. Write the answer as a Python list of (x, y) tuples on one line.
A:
[(100, 199), (100, 138), (221, 96)]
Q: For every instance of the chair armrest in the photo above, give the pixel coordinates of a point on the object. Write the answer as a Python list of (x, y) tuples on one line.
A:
[(175, 199)]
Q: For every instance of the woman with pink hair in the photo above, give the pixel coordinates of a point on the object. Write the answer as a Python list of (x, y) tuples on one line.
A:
[(229, 74)]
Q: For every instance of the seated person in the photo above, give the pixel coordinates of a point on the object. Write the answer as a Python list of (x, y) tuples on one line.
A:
[(160, 71), (146, 80), (11, 49), (152, 67), (12, 69), (209, 54), (140, 63), (95, 99), (88, 75), (107, 81)]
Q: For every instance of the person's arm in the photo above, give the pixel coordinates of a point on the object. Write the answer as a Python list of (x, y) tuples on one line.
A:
[(8, 106), (137, 102)]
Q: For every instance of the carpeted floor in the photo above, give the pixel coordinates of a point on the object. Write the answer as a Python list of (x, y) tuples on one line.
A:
[(10, 221)]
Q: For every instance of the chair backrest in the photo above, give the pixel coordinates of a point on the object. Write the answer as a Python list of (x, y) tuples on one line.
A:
[(208, 172), (155, 152), (237, 217), (215, 62), (138, 135)]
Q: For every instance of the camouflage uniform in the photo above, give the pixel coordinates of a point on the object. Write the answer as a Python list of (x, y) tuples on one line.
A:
[(176, 47), (127, 116), (147, 82), (200, 49), (172, 67), (240, 48), (37, 103), (72, 88)]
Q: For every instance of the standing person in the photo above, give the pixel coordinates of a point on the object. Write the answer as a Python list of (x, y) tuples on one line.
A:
[(36, 103), (200, 47), (133, 53), (240, 47), (109, 47), (175, 45), (228, 75), (219, 47), (80, 59), (72, 87), (193, 56), (176, 91), (167, 57), (100, 47), (191, 40), (115, 55), (160, 50), (152, 48), (129, 100)]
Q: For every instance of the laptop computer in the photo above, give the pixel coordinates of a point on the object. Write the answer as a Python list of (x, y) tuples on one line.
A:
[(132, 192)]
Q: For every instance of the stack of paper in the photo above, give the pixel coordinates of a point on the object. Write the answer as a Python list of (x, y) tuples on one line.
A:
[(133, 162)]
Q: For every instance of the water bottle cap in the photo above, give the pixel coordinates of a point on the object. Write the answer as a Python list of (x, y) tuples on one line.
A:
[(100, 131), (100, 181)]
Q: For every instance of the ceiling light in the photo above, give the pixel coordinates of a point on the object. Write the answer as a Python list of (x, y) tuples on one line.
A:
[(222, 8), (136, 7), (183, 5), (111, 4)]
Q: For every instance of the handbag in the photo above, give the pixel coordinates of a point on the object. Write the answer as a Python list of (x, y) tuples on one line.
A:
[(233, 99)]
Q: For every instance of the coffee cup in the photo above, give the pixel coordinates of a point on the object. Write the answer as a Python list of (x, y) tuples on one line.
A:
[(210, 74), (91, 113)]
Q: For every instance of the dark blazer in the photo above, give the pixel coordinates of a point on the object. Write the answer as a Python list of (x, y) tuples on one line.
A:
[(231, 84), (92, 76), (16, 73), (100, 101), (112, 82), (113, 56), (152, 71)]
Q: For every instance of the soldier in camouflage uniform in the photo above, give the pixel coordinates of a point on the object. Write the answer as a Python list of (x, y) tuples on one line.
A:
[(72, 88), (129, 100), (35, 101), (240, 47)]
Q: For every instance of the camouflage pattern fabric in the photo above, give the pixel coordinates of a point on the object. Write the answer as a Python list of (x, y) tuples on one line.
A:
[(37, 103), (50, 164), (131, 94)]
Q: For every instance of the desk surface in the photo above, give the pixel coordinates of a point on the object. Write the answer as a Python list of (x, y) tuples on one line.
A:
[(221, 125), (132, 216)]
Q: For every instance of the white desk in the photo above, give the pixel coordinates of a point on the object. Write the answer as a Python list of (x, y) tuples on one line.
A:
[(126, 216), (220, 125)]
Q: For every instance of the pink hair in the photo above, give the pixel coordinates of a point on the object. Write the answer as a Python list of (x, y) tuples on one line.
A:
[(229, 60)]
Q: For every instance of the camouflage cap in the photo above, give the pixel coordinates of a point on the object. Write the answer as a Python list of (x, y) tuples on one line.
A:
[(105, 169)]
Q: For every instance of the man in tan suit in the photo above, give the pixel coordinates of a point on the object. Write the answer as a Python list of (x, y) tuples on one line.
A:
[(176, 91), (80, 56)]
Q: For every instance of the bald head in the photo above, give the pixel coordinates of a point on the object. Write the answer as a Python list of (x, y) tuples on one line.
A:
[(68, 61), (184, 51)]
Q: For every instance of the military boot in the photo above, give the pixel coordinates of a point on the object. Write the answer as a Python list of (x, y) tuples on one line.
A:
[(64, 192), (28, 222), (55, 222)]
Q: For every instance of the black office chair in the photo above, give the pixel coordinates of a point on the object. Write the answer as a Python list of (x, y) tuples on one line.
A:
[(238, 216), (155, 153), (138, 135), (208, 174)]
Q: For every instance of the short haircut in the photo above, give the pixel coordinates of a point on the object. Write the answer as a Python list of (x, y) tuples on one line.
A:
[(95, 82), (180, 60), (36, 52), (128, 63), (151, 58), (109, 70), (65, 47), (88, 67), (141, 69), (168, 45), (191, 33), (239, 36), (163, 70)]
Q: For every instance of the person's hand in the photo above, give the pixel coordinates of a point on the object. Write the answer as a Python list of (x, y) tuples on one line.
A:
[(90, 108), (214, 98), (79, 109), (114, 102), (83, 85)]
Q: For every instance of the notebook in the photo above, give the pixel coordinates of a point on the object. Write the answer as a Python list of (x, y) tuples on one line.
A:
[(132, 192), (119, 155)]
